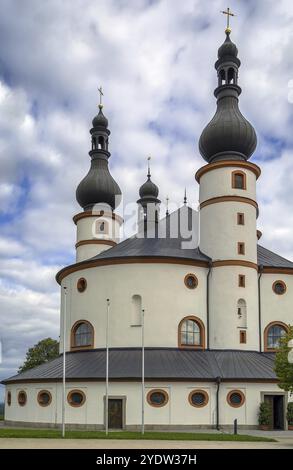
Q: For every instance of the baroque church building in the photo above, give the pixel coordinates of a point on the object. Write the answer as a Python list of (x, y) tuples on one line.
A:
[(210, 314)]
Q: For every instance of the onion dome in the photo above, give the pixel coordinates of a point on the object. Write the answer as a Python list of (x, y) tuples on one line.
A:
[(149, 191), (98, 186), (228, 136), (100, 120)]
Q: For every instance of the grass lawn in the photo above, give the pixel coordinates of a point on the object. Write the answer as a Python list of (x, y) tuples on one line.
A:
[(182, 436)]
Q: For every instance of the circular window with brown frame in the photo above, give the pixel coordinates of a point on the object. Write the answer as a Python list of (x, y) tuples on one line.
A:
[(81, 284), (198, 398), (44, 398), (76, 398), (235, 398), (8, 398), (157, 398), (279, 287), (22, 398), (191, 281)]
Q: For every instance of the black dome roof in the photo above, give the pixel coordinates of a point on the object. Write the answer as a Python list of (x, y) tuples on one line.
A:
[(149, 189), (100, 120), (228, 48), (98, 186)]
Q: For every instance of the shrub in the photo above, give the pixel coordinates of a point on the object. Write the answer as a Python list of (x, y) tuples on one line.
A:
[(265, 413)]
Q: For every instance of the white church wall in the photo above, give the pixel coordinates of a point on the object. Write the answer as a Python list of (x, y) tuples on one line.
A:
[(220, 233), (177, 412), (165, 298), (224, 296), (218, 182)]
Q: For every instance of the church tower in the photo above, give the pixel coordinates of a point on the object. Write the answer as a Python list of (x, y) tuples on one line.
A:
[(148, 207), (98, 227), (228, 211)]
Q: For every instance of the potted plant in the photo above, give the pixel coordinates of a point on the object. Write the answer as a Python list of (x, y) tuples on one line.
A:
[(290, 416), (264, 416)]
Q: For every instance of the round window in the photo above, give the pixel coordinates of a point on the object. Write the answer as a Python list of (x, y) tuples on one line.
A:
[(81, 284), (190, 281), (235, 398), (44, 398), (279, 287), (22, 398), (157, 398), (8, 398), (76, 398), (198, 398)]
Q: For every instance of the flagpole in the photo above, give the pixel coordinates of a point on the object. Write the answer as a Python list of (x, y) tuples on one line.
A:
[(64, 363), (142, 371), (107, 367)]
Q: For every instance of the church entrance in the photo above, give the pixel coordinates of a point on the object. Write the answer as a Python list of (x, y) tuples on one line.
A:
[(276, 403), (116, 413)]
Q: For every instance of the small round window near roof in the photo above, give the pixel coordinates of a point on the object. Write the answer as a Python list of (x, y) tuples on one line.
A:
[(44, 398), (279, 287), (22, 398), (81, 284), (76, 398), (191, 281), (235, 398), (198, 398), (157, 398)]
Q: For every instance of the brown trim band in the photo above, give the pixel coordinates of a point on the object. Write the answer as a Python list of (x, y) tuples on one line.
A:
[(228, 163), (235, 262), (106, 262), (216, 200), (272, 270), (84, 215), (95, 242)]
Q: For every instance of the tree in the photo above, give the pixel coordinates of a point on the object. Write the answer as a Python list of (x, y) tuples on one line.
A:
[(42, 352), (283, 369)]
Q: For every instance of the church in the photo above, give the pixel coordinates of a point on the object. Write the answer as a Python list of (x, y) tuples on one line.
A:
[(187, 313)]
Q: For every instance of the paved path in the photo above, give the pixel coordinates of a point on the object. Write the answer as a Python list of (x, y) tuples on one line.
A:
[(283, 443)]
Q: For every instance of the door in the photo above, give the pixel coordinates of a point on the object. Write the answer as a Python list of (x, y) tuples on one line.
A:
[(115, 413), (276, 403)]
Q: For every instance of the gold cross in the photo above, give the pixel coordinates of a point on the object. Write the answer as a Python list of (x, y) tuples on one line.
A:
[(100, 90), (228, 13)]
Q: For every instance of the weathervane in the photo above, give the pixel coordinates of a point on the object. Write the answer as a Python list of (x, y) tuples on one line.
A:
[(228, 13), (100, 90)]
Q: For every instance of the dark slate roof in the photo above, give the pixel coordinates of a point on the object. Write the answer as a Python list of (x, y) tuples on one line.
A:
[(268, 258), (161, 363)]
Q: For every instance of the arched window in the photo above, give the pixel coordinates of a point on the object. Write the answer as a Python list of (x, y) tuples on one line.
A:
[(102, 226), (136, 310), (222, 77), (94, 144), (82, 335), (241, 313), (191, 333), (272, 335), (101, 142), (231, 75), (238, 180)]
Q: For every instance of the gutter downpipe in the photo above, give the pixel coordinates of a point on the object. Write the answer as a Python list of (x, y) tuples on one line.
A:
[(208, 304), (218, 382), (260, 270)]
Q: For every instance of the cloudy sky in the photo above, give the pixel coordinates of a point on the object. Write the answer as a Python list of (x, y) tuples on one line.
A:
[(155, 60)]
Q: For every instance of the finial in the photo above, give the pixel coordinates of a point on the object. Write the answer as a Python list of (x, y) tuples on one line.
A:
[(100, 90), (185, 198), (167, 206), (149, 167), (228, 13)]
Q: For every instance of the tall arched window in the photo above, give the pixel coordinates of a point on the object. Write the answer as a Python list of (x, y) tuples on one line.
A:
[(242, 313), (272, 335), (82, 335), (191, 333), (101, 143), (136, 310), (238, 180), (231, 75)]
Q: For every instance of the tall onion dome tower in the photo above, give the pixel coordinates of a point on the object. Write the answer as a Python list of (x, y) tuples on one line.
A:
[(228, 210), (148, 206), (98, 227)]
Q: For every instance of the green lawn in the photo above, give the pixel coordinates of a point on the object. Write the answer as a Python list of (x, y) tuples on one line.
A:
[(56, 434)]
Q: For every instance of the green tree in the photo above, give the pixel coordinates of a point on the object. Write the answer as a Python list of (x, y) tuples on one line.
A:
[(43, 351), (283, 369)]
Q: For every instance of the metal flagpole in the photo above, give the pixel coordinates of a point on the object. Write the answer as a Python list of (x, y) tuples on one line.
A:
[(64, 364), (142, 371), (107, 368)]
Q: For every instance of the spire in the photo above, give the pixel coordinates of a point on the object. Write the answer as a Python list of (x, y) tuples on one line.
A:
[(98, 186), (185, 198), (149, 191), (167, 206), (228, 136), (148, 202)]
